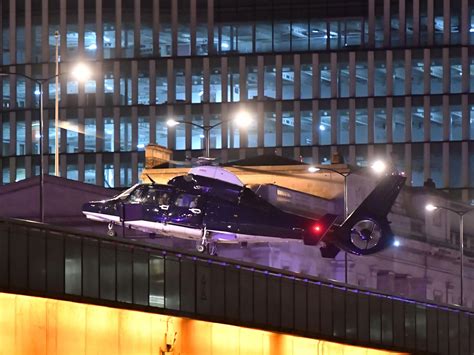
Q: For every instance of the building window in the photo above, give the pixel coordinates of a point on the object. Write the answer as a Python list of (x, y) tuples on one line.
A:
[(216, 132), (343, 79), (417, 72), (455, 123), (270, 82), (417, 117), (263, 36), (306, 81), (380, 78), (325, 83), (269, 138), (361, 81), (72, 135), (197, 134), (342, 127), (306, 128), (318, 35), (143, 89), (324, 127), (125, 134), (361, 126), (215, 85), (288, 82), (143, 132), (20, 137), (108, 134), (436, 122), (380, 125), (436, 163), (252, 82), (90, 134), (161, 83), (161, 132), (288, 128), (436, 76), (197, 85), (456, 75)]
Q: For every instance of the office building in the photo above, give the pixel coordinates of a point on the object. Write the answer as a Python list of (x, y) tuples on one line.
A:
[(390, 79)]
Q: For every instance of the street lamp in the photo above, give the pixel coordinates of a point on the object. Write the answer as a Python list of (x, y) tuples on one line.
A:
[(40, 83), (242, 118), (314, 169), (378, 167), (461, 213), (81, 72)]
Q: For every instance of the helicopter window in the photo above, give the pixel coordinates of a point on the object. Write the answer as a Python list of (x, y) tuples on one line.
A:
[(156, 196), (137, 195), (187, 201)]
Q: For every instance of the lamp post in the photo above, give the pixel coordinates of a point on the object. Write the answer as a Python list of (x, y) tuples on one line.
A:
[(80, 72), (40, 83), (378, 167), (243, 119), (56, 109), (461, 213)]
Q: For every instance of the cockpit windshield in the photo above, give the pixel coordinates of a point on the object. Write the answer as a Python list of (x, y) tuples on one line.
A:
[(127, 192)]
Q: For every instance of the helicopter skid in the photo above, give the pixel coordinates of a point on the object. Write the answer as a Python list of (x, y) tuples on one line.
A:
[(172, 230), (100, 217)]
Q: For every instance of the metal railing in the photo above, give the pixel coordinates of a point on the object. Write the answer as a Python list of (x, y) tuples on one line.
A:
[(40, 260)]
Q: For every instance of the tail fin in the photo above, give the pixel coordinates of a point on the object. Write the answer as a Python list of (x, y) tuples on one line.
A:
[(367, 230)]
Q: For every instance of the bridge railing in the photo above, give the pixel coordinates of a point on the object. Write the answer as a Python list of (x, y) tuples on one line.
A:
[(58, 263)]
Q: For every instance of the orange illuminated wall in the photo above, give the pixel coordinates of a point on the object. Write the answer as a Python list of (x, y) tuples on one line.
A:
[(32, 325)]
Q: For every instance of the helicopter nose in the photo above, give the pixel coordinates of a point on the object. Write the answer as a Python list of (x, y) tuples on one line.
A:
[(92, 207)]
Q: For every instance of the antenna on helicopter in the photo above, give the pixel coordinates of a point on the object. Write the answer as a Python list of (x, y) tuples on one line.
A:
[(149, 178)]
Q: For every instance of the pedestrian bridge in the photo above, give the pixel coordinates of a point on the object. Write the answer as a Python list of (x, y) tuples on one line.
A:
[(81, 270)]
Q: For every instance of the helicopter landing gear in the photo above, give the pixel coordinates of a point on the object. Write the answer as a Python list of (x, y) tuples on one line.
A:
[(110, 230), (206, 244), (209, 247)]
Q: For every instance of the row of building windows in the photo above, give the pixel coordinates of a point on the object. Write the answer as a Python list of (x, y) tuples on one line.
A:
[(355, 74), (199, 28), (275, 124), (449, 164)]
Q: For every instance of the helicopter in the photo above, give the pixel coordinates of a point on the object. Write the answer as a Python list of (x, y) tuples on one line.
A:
[(211, 205)]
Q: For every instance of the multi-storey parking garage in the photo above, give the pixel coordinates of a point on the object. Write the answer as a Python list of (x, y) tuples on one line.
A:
[(367, 79)]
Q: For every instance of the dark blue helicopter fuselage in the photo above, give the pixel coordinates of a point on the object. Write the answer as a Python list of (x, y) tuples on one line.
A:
[(199, 203)]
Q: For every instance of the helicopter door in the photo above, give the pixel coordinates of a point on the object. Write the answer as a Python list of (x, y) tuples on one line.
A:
[(156, 203), (186, 210)]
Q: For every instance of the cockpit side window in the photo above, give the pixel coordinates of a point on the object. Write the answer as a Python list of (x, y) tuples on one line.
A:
[(187, 201), (137, 195), (157, 196)]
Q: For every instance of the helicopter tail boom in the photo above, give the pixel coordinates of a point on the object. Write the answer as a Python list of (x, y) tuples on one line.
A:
[(367, 230)]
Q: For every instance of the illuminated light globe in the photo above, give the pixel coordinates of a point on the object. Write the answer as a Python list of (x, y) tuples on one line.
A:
[(243, 119), (430, 207), (313, 169), (396, 243), (379, 166), (171, 122), (81, 72)]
